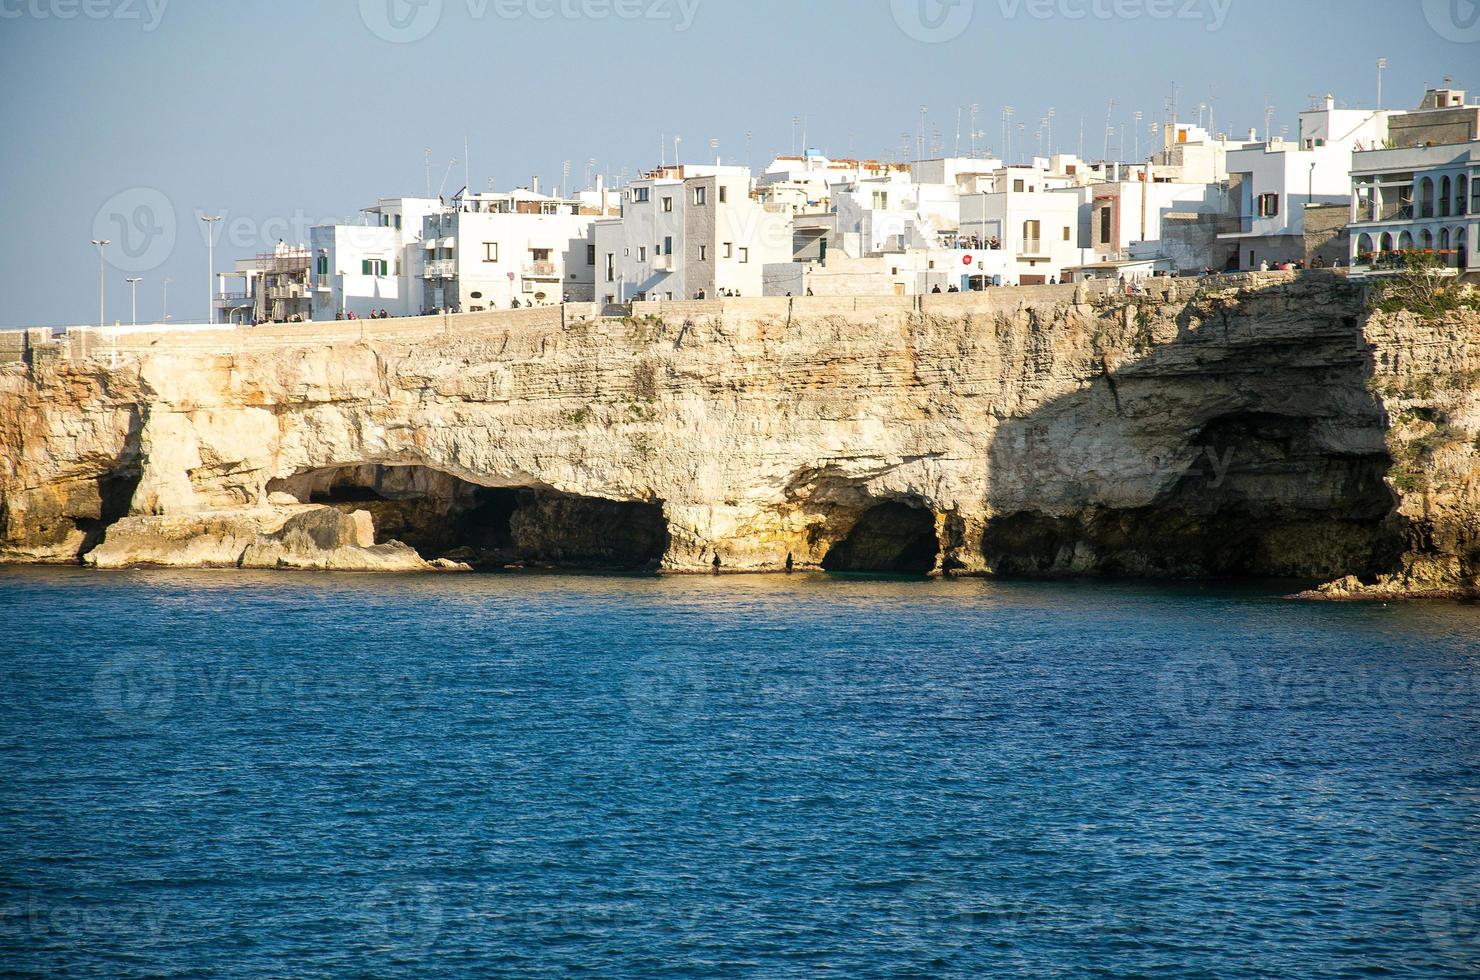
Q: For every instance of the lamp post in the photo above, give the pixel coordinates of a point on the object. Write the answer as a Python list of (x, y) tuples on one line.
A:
[(164, 311), (133, 283), (211, 264), (100, 243)]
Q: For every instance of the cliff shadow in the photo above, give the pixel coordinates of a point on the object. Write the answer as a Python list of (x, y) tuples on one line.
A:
[(1249, 446)]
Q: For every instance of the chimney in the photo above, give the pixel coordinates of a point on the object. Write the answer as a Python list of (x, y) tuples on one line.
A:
[(534, 183), (1330, 103)]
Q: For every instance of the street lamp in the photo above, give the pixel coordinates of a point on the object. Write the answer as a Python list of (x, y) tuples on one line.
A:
[(211, 264), (164, 312), (133, 282), (100, 243)]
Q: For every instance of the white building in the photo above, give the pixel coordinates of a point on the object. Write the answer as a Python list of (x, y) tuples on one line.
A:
[(1032, 234), (1271, 183), (362, 269), (1422, 198), (689, 232), (1127, 215), (490, 251)]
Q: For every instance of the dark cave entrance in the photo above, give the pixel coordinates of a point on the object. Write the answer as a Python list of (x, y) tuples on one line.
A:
[(1262, 498), (892, 537), (490, 528)]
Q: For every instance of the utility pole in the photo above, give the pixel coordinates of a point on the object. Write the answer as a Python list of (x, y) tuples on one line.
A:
[(100, 243), (133, 282), (211, 266)]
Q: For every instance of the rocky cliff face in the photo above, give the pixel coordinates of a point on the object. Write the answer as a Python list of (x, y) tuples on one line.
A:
[(1261, 425)]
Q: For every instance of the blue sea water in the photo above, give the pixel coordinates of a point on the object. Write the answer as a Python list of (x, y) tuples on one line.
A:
[(250, 774)]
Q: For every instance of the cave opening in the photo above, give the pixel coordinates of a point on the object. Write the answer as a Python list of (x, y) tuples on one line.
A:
[(892, 537), (1263, 497), (490, 528)]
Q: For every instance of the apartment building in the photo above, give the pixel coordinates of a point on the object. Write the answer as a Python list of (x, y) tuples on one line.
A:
[(1271, 183), (493, 250), (689, 232), (373, 266), (1417, 198), (1031, 234)]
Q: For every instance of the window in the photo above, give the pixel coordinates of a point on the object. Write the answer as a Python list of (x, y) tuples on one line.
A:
[(642, 253), (729, 252), (723, 195), (1071, 170), (881, 200), (1269, 205), (640, 195), (1017, 185), (374, 267), (398, 221), (668, 245), (744, 255), (490, 251), (539, 254), (667, 204), (590, 254), (611, 267), (323, 265), (701, 196), (703, 253), (1104, 226), (1066, 233)]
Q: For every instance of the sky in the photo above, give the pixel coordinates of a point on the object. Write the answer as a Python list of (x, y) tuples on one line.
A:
[(129, 119)]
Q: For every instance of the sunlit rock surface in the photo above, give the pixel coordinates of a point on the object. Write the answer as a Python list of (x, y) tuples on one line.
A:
[(1251, 425)]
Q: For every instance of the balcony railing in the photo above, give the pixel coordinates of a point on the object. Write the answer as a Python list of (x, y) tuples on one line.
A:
[(233, 299), (663, 263), (1031, 246), (541, 270), (440, 268)]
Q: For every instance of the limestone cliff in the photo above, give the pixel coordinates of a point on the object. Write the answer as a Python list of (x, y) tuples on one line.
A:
[(1233, 426)]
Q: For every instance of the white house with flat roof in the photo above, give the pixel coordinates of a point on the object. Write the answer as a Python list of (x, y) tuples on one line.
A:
[(372, 266), (1036, 231), (1416, 199), (1271, 183), (689, 232), (492, 250)]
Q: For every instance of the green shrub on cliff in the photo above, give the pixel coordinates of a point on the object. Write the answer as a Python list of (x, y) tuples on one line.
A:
[(1423, 285)]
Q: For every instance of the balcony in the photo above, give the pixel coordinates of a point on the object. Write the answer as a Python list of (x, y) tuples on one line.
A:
[(233, 300), (1030, 246), (291, 290), (541, 270), (440, 269), (662, 263)]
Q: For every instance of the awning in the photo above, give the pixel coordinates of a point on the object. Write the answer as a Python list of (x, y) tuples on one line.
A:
[(430, 244)]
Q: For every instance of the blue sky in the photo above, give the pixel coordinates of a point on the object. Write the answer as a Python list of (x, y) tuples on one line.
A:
[(130, 117)]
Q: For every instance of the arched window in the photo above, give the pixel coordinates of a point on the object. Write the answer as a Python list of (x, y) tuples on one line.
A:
[(1405, 241), (1462, 255), (1426, 197), (1387, 241), (1426, 240), (1461, 194), (1364, 244), (1444, 191)]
